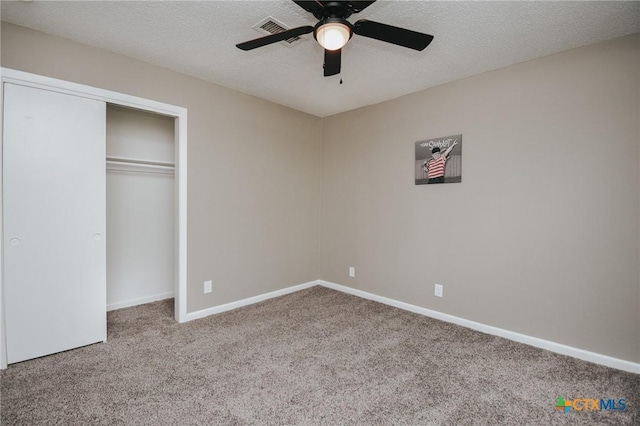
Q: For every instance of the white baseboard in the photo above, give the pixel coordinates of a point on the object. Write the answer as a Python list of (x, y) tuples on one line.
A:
[(582, 354), (139, 301), (249, 301), (597, 358)]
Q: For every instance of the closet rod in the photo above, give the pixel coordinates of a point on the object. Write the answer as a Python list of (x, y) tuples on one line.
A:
[(127, 167), (145, 170), (123, 160)]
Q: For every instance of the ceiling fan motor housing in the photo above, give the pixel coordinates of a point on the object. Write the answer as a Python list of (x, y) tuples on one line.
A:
[(334, 9)]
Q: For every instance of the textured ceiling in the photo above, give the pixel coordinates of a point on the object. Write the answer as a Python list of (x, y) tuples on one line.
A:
[(198, 38)]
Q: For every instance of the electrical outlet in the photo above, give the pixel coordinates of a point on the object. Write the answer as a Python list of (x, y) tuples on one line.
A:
[(208, 287), (438, 290), (352, 271)]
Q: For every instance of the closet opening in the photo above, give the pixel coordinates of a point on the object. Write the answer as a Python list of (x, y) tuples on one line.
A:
[(141, 211)]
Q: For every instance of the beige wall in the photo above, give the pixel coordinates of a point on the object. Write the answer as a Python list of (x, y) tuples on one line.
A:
[(542, 235), (253, 169)]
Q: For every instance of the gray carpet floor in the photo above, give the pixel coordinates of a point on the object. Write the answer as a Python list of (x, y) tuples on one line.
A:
[(312, 357)]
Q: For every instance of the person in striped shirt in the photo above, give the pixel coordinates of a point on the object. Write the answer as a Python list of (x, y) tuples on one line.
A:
[(435, 166)]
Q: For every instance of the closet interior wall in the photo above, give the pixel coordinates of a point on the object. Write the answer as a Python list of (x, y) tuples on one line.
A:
[(140, 207)]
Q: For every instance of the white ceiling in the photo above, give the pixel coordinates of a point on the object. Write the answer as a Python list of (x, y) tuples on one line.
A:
[(198, 38)]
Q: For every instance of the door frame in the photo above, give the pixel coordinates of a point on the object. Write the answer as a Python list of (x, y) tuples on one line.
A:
[(180, 116)]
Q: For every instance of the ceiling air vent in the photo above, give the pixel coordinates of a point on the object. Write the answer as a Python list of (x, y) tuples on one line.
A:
[(271, 25)]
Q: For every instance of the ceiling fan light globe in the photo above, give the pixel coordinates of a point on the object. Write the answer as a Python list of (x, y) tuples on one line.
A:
[(333, 35)]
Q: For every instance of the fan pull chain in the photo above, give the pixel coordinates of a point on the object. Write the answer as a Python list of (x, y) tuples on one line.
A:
[(340, 80)]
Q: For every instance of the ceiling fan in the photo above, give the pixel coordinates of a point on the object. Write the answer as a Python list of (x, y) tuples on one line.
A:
[(333, 31)]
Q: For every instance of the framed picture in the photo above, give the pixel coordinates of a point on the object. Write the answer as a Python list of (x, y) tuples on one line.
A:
[(439, 160)]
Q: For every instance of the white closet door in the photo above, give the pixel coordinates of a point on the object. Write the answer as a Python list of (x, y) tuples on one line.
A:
[(54, 221)]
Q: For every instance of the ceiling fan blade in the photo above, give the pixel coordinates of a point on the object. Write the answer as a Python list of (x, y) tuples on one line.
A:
[(390, 34), (332, 61), (274, 38)]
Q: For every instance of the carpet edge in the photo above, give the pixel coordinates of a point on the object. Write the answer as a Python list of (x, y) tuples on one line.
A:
[(594, 357)]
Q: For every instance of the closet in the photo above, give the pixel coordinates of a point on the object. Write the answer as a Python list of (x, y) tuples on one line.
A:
[(88, 216), (140, 207)]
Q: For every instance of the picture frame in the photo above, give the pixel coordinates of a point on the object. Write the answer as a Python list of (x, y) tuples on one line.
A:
[(439, 160)]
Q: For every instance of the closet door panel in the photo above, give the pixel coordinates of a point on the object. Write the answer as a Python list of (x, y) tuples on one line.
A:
[(54, 221)]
